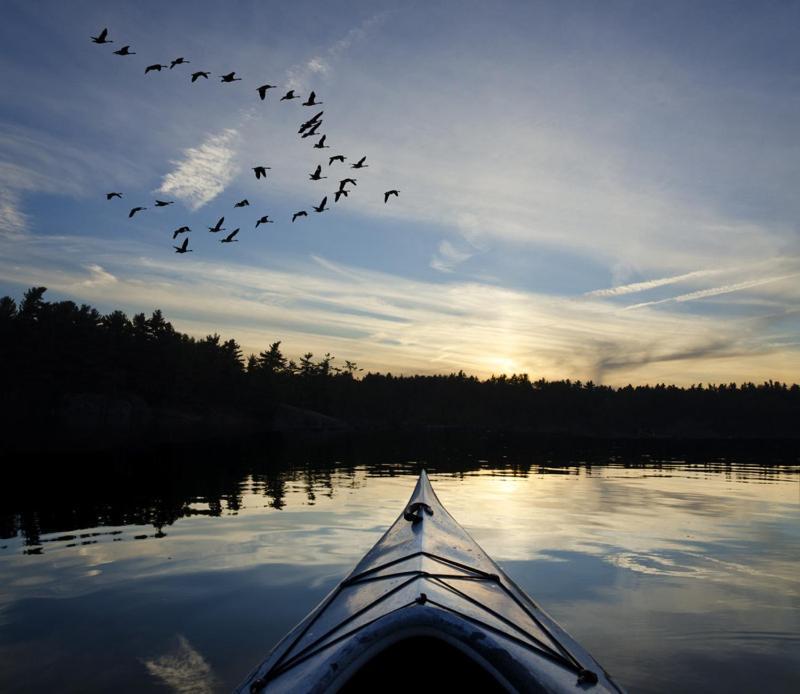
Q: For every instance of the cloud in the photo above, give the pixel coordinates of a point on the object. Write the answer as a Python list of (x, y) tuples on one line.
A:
[(98, 276), (715, 291), (13, 221), (388, 322), (652, 284), (205, 171), (35, 162), (298, 76), (448, 257), (183, 670)]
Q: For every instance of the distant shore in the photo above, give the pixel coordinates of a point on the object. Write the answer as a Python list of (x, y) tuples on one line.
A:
[(75, 379)]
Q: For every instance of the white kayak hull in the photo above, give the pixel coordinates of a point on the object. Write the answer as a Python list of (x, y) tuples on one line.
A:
[(426, 578)]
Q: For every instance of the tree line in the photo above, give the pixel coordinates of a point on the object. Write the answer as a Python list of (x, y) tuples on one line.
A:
[(50, 351)]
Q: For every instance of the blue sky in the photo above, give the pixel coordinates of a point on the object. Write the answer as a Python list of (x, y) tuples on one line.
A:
[(588, 190)]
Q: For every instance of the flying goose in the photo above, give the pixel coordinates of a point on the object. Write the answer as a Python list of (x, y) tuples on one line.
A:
[(310, 101), (229, 238), (290, 95), (154, 68), (321, 144), (359, 164), (183, 247), (218, 226), (230, 77), (310, 121), (262, 90), (242, 203), (179, 61), (181, 230), (261, 171), (301, 213), (321, 207), (164, 203), (199, 73), (338, 157), (135, 210), (264, 220), (386, 195), (101, 37), (312, 130), (125, 50), (113, 195), (316, 175)]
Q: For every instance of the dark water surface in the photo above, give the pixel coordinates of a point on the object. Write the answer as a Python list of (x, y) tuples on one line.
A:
[(180, 572)]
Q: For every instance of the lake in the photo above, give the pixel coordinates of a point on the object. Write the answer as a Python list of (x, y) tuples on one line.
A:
[(678, 572)]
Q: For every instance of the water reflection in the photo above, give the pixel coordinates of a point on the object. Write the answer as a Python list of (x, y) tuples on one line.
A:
[(200, 564)]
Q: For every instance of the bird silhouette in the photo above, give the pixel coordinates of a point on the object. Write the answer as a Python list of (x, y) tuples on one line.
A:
[(359, 164), (218, 226), (312, 130), (135, 210), (261, 171), (199, 73), (310, 121), (321, 207), (242, 203), (339, 194), (262, 90), (125, 50), (316, 175), (321, 144), (113, 195), (290, 95), (154, 68), (229, 238), (301, 213), (338, 157), (386, 195), (181, 230), (345, 181), (230, 77), (179, 61), (183, 247), (265, 220), (310, 101), (101, 37), (164, 203)]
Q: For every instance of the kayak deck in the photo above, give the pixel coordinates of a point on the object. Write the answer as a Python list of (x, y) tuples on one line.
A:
[(426, 578)]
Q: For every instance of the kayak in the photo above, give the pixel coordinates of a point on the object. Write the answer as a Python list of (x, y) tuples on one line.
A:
[(427, 607)]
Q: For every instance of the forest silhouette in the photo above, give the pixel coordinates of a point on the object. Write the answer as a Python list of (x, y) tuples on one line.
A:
[(62, 363)]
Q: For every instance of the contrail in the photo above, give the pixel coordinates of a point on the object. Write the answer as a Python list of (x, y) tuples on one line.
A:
[(652, 284), (715, 291)]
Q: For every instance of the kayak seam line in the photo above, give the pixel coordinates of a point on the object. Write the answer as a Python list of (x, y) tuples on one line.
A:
[(435, 557), (505, 620), (290, 662), (550, 655), (305, 654)]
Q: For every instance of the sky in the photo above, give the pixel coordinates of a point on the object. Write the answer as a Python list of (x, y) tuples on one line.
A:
[(602, 191)]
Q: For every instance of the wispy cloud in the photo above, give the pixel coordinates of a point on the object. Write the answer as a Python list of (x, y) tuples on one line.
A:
[(183, 670), (13, 221), (387, 322), (654, 283), (298, 76), (716, 291), (448, 257), (205, 171), (98, 276)]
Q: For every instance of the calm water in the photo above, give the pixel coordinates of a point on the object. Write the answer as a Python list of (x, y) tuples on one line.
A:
[(181, 574)]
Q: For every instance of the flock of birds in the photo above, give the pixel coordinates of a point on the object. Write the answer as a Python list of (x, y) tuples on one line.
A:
[(308, 128)]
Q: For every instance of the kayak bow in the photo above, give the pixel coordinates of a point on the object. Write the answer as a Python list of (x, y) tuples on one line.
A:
[(427, 582)]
